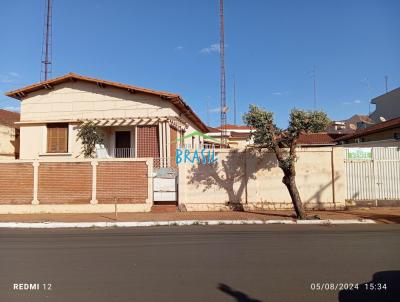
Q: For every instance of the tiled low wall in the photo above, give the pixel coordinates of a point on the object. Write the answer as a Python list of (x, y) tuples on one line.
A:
[(52, 184)]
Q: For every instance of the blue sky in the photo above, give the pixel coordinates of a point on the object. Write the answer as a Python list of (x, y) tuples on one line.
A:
[(272, 47)]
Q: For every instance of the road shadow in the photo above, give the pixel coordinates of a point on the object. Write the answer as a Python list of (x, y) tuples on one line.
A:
[(237, 295), (374, 290)]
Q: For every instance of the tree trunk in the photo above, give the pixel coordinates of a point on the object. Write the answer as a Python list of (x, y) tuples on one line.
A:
[(290, 183)]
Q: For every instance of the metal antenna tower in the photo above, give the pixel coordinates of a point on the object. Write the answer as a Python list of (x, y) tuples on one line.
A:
[(222, 83), (47, 41)]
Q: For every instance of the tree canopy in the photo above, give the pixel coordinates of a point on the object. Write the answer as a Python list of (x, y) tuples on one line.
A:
[(283, 142)]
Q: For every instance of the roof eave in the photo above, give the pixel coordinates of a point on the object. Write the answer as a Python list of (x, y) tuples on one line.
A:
[(180, 103)]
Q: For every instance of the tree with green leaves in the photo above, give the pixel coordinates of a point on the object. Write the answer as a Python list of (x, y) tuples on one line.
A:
[(283, 142), (90, 135)]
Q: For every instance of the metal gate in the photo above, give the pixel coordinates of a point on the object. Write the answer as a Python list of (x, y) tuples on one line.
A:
[(374, 175), (165, 186)]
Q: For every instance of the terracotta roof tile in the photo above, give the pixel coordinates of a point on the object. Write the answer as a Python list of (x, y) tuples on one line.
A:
[(173, 98), (8, 117), (236, 127), (322, 138)]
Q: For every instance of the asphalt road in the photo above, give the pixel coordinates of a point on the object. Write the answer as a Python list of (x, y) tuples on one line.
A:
[(201, 263)]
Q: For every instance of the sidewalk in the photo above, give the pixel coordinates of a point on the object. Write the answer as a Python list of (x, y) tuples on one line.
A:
[(379, 215)]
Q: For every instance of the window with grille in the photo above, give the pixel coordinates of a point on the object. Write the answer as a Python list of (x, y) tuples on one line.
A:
[(57, 138)]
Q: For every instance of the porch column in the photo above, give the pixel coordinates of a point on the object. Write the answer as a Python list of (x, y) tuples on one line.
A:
[(168, 140), (161, 141), (136, 140), (163, 134)]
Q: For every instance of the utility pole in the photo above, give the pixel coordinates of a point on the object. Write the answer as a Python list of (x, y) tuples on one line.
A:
[(386, 83), (47, 43), (234, 100), (315, 88), (222, 71), (208, 113)]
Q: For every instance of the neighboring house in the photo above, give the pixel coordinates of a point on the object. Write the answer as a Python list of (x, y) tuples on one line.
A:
[(350, 125), (135, 121), (321, 139), (382, 134), (9, 135), (387, 106), (238, 136)]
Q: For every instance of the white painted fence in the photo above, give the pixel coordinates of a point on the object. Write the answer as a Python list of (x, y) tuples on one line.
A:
[(374, 178)]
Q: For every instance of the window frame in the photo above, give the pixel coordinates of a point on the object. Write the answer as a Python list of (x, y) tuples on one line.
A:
[(66, 139)]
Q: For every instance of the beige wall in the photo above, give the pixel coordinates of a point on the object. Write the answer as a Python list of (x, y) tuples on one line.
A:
[(9, 143), (34, 142), (256, 180), (79, 100)]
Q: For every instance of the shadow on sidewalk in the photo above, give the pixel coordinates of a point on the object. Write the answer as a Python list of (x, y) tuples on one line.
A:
[(382, 218)]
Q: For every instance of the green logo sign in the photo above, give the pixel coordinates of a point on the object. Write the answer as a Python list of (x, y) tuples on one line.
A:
[(359, 153), (198, 134)]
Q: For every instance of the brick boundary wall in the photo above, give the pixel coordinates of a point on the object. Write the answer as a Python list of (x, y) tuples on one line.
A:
[(122, 182), (16, 183), (79, 182), (65, 183)]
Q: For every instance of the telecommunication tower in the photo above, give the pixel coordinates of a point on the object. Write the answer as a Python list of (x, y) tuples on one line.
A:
[(47, 43), (222, 71)]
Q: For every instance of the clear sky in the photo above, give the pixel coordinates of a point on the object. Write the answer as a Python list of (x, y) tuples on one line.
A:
[(272, 47)]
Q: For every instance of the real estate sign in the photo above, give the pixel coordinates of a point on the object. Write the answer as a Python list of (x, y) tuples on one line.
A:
[(359, 153)]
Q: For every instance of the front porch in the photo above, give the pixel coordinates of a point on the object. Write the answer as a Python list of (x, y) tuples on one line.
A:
[(139, 137)]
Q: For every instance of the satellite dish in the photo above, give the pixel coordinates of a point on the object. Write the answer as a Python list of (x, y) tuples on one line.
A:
[(382, 119)]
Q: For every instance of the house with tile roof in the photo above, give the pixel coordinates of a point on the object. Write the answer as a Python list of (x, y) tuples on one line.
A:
[(134, 121), (9, 134), (347, 126), (238, 136), (382, 134)]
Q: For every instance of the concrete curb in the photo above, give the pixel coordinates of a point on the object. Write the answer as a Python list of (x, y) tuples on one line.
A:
[(127, 224)]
